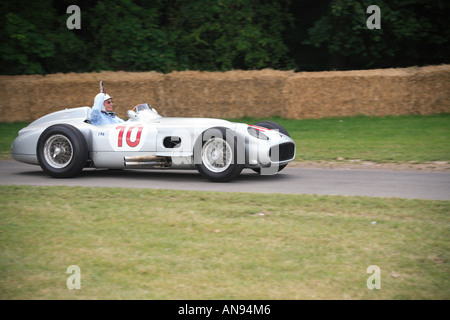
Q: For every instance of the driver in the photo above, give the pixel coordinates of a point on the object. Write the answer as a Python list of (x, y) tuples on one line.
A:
[(102, 110)]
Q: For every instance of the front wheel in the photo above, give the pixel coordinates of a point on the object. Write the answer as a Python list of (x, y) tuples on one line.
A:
[(62, 151), (272, 125), (215, 155)]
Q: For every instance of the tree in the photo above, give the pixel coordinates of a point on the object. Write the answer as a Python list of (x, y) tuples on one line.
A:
[(229, 34), (128, 37), (26, 45), (36, 39), (218, 35), (413, 32)]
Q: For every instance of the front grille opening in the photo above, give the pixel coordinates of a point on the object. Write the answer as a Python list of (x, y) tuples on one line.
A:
[(285, 152)]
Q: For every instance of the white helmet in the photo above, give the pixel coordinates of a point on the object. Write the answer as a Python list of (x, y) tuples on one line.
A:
[(107, 97)]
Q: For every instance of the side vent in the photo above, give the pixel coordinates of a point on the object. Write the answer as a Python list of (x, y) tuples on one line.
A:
[(172, 142)]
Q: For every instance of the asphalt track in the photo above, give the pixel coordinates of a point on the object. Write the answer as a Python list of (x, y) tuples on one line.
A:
[(348, 182)]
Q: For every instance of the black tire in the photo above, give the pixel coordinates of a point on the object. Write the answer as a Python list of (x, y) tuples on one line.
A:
[(221, 165), (274, 126), (62, 151)]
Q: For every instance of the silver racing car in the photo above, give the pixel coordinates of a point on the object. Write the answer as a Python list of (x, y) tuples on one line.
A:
[(65, 142)]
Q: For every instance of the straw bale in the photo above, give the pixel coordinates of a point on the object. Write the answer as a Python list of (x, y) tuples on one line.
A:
[(348, 93), (225, 94), (49, 93), (235, 94), (379, 92), (15, 96), (430, 89)]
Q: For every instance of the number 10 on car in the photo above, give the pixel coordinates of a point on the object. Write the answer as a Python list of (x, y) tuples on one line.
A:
[(130, 141)]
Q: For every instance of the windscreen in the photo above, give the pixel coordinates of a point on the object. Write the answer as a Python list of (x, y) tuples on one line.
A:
[(142, 107)]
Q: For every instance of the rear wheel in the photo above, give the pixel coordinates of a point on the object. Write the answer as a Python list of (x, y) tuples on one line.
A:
[(215, 155), (62, 151)]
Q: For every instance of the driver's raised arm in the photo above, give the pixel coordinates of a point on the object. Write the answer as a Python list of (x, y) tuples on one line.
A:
[(97, 107), (102, 110)]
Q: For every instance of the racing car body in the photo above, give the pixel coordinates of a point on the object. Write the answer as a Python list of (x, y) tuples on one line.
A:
[(65, 142)]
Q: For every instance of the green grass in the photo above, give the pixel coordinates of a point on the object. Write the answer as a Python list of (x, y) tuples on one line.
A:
[(147, 244), (8, 132), (381, 139)]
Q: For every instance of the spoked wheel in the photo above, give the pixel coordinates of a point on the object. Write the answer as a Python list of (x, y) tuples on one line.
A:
[(58, 151), (215, 155), (62, 151)]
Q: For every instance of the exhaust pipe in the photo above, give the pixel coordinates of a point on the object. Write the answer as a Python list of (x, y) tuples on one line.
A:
[(147, 162)]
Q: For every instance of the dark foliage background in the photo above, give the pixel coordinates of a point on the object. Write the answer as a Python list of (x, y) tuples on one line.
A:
[(220, 35)]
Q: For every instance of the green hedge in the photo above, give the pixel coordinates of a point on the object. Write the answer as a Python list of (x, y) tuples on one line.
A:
[(219, 35)]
